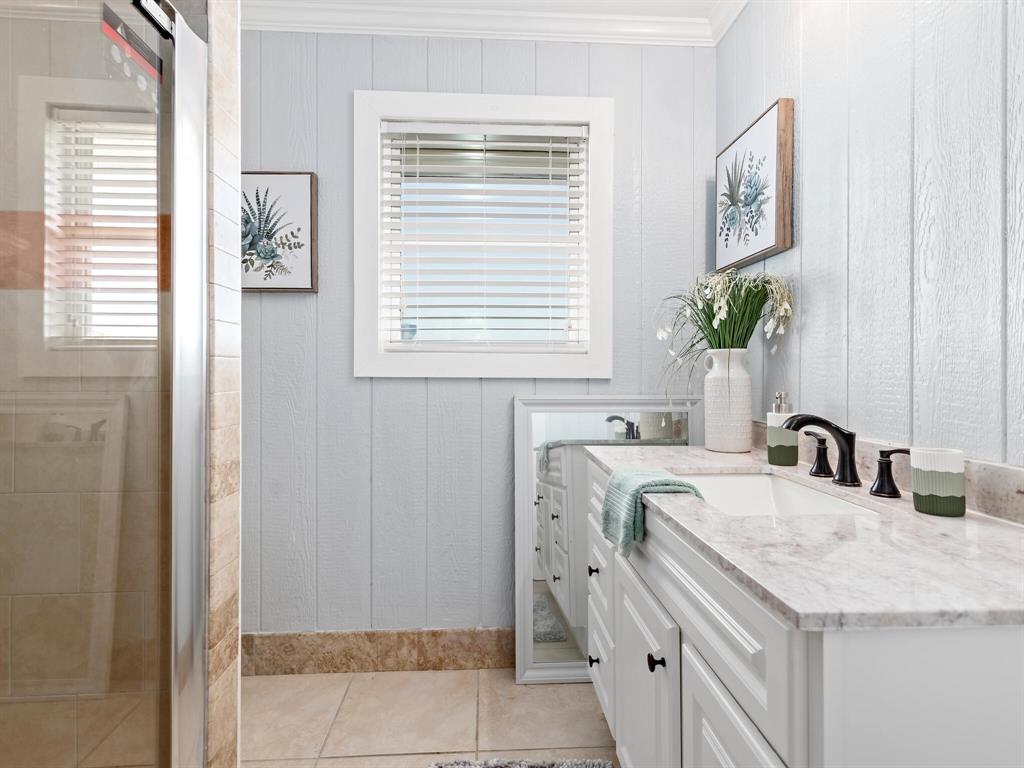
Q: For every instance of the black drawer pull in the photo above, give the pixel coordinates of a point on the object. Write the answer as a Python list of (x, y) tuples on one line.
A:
[(555, 578), (536, 549), (591, 661), (591, 570), (653, 662), (554, 516)]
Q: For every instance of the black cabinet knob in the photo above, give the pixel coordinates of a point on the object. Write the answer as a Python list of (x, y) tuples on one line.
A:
[(653, 662), (536, 549), (591, 661), (554, 516), (556, 578), (591, 570)]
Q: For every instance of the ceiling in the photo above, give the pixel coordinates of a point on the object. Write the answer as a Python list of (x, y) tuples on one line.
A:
[(652, 22)]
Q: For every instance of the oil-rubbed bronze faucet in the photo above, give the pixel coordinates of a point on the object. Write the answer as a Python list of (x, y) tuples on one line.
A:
[(846, 442), (632, 433)]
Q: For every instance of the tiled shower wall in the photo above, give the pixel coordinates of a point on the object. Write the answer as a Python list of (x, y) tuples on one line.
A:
[(225, 348)]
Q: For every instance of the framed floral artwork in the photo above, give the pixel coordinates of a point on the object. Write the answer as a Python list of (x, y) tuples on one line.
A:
[(278, 231), (754, 190)]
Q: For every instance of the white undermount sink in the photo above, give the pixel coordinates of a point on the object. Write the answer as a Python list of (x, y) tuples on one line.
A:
[(768, 495)]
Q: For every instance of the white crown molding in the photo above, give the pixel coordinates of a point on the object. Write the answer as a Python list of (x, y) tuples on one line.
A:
[(455, 19), (723, 14)]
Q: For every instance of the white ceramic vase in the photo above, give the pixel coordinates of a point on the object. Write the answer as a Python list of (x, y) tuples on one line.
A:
[(727, 402)]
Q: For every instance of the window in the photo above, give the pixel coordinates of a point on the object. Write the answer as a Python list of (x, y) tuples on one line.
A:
[(486, 251), (101, 230)]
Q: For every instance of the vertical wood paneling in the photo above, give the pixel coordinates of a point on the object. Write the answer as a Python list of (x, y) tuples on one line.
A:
[(703, 120), (881, 218), (749, 77), (1015, 233), (615, 71), (563, 69), (666, 195), (454, 508), (399, 63), (750, 102), (823, 356), (509, 66), (344, 424), (251, 357), (781, 80), (958, 220), (454, 65), (400, 480), (412, 508), (289, 350), (725, 88)]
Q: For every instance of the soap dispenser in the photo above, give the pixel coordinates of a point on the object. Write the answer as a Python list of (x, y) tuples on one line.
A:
[(783, 444)]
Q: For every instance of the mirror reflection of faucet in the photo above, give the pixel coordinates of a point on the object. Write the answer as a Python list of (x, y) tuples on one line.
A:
[(632, 430)]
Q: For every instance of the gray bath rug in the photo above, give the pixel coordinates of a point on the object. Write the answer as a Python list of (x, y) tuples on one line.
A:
[(499, 763), (546, 626)]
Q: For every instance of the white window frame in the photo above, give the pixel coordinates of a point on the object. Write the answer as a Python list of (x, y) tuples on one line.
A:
[(371, 108)]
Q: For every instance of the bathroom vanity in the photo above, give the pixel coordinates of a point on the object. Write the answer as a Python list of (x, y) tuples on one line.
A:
[(785, 621)]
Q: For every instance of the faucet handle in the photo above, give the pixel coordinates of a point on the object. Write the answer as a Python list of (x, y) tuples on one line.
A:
[(884, 484), (821, 466)]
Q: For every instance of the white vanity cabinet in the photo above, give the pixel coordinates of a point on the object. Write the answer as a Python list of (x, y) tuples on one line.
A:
[(703, 673), (562, 532), (647, 694)]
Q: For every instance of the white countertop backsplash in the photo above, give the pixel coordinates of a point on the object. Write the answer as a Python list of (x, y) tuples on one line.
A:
[(884, 566)]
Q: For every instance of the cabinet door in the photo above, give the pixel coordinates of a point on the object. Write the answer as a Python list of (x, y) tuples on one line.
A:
[(647, 713), (716, 732)]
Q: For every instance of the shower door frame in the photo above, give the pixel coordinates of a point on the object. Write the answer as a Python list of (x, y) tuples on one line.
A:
[(189, 371)]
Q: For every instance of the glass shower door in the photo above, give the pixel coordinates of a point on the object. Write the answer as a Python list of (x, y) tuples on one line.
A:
[(87, 372)]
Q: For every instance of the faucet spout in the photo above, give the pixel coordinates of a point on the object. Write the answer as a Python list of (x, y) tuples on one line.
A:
[(631, 431), (846, 443)]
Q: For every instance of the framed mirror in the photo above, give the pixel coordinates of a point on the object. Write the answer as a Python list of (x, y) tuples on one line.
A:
[(552, 506)]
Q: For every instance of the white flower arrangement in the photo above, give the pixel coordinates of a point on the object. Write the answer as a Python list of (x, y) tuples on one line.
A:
[(721, 311)]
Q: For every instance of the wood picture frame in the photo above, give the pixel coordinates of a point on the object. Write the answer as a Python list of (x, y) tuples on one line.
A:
[(754, 190), (301, 276)]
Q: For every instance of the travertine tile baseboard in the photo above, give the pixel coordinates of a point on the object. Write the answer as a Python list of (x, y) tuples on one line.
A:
[(297, 653), (995, 489)]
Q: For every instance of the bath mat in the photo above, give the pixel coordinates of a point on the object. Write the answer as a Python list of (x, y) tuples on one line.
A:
[(546, 626), (499, 763)]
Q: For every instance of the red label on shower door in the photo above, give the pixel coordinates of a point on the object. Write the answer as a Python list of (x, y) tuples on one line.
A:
[(131, 45)]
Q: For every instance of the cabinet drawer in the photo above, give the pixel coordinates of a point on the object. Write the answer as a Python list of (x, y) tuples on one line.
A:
[(601, 658), (558, 516), (716, 732), (759, 658), (558, 577), (601, 560)]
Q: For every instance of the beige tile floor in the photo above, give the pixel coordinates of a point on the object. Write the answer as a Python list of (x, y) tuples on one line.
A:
[(413, 719)]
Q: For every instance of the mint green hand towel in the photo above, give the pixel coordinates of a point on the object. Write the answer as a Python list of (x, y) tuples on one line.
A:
[(622, 515)]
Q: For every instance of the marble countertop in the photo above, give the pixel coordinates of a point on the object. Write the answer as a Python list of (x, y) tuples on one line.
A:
[(883, 565), (642, 441)]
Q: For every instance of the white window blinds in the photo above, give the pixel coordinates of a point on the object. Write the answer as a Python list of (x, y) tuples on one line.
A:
[(101, 280), (483, 240)]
